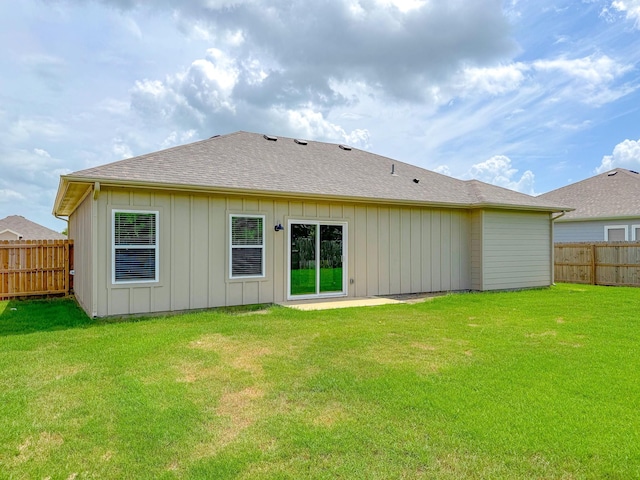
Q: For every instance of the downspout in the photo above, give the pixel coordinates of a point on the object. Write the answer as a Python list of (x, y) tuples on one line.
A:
[(64, 220), (553, 250)]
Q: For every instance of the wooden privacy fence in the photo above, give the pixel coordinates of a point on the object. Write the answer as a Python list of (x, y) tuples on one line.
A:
[(35, 267), (613, 263)]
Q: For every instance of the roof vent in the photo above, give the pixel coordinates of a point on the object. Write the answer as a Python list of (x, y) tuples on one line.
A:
[(611, 174), (415, 180), (345, 147), (270, 137), (300, 142), (633, 171), (215, 136), (393, 170)]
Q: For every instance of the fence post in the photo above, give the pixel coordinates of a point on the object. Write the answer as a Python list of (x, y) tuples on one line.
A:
[(593, 265)]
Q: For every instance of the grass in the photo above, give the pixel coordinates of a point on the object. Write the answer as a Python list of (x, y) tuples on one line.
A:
[(532, 384)]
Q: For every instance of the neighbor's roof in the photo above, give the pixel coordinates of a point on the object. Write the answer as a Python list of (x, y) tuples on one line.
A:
[(28, 230), (612, 194), (245, 162)]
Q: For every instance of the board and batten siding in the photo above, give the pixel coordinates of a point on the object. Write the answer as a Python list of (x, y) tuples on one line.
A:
[(516, 250), (391, 250), (80, 231)]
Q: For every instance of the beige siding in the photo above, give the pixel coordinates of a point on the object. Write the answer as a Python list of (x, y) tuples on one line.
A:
[(80, 228), (477, 217), (516, 250), (391, 250), (7, 235)]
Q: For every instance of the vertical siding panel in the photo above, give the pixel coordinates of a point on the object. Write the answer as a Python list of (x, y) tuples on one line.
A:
[(336, 211), (250, 205), (199, 253), (141, 300), (436, 252), (102, 274), (445, 248), (454, 244), (141, 199), (361, 251), (324, 211), (235, 204), (426, 251), (280, 245), (405, 250), (465, 251), (372, 250), (265, 287), (416, 250), (218, 251), (348, 213), (383, 251), (234, 293), (394, 251), (310, 210), (295, 209), (161, 294), (180, 244)]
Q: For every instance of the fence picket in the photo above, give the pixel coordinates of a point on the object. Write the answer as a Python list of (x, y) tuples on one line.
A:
[(600, 263), (35, 267)]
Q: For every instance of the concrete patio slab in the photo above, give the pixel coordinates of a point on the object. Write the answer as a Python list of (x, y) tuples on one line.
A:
[(330, 303)]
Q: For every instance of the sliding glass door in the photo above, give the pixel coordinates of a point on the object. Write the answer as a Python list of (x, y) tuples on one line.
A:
[(316, 259)]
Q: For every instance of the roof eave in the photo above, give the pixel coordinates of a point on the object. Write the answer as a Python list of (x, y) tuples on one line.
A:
[(107, 182)]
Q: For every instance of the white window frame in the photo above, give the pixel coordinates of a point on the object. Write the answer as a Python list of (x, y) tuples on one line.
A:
[(261, 246), (616, 227), (634, 229), (114, 247)]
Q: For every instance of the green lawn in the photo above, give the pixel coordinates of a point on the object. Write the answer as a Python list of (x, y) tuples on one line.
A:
[(534, 384)]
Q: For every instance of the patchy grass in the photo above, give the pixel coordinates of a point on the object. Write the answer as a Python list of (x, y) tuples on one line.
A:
[(532, 384)]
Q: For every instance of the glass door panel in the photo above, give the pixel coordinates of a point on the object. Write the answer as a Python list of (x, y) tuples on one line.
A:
[(330, 258), (303, 259)]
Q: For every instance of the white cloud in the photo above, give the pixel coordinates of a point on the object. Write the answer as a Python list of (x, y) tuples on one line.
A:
[(498, 171), (178, 138), (630, 8), (594, 70), (492, 80), (625, 155), (120, 149), (443, 169), (8, 196)]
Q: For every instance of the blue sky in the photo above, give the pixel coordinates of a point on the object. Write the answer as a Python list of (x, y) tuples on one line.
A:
[(526, 95)]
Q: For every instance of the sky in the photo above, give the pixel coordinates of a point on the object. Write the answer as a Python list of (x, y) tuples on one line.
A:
[(528, 95)]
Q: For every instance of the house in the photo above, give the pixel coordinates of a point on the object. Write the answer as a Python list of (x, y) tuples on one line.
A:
[(246, 218), (607, 208), (16, 227)]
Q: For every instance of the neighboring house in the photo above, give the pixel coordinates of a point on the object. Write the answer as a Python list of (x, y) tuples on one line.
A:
[(607, 208), (15, 227), (245, 218)]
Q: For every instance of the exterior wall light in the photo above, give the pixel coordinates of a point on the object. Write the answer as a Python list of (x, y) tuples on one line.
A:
[(278, 227)]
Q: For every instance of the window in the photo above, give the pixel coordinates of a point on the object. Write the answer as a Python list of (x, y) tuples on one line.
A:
[(635, 233), (615, 233), (135, 246), (247, 246)]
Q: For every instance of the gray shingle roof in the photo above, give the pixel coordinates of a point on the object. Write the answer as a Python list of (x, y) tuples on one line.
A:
[(245, 160), (608, 195), (29, 230)]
